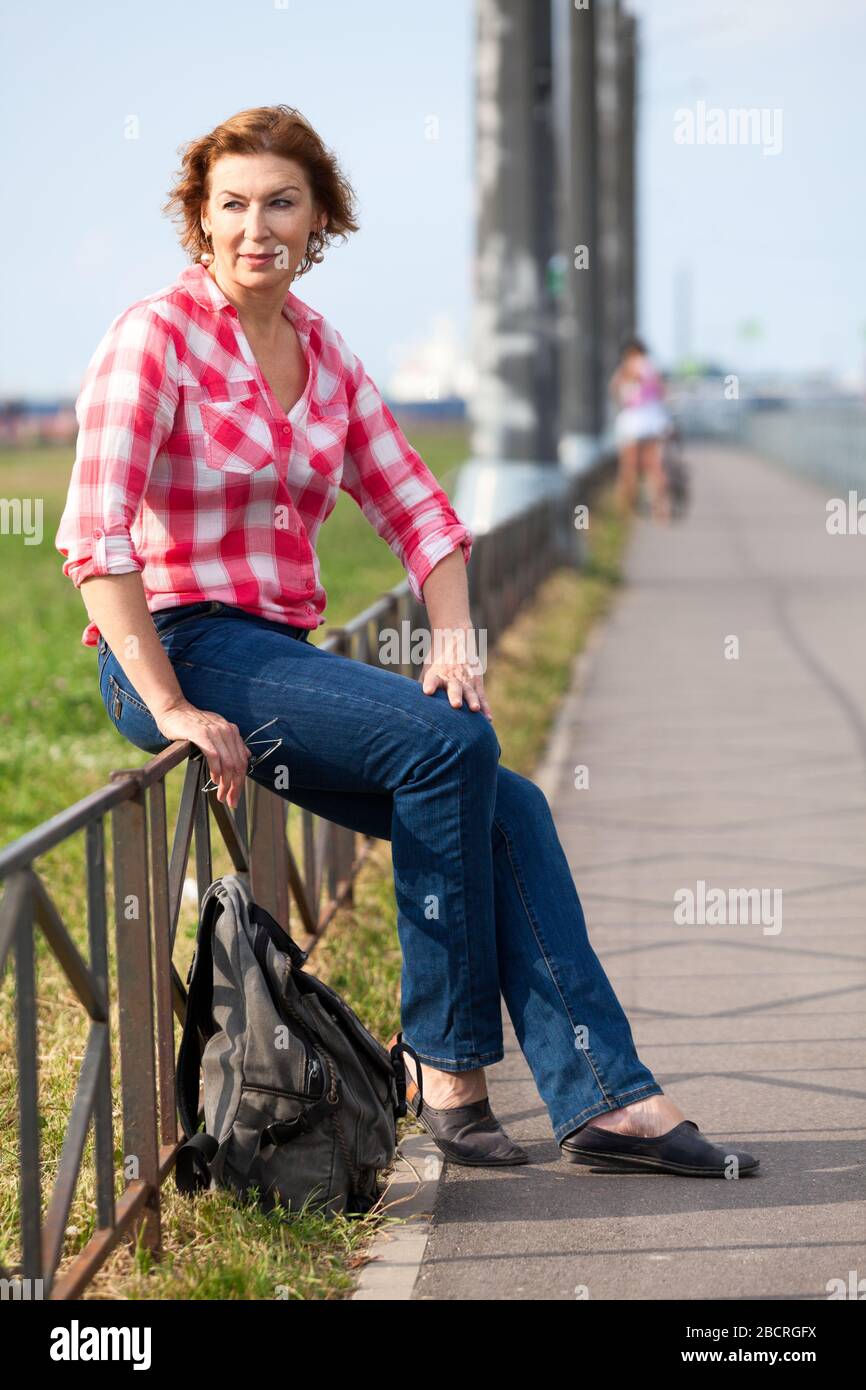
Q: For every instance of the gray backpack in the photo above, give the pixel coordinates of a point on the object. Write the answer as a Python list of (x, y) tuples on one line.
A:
[(300, 1100)]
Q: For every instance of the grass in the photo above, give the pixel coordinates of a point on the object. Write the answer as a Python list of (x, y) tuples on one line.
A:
[(57, 745)]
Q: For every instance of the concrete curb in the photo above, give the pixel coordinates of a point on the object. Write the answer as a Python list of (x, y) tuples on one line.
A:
[(396, 1253)]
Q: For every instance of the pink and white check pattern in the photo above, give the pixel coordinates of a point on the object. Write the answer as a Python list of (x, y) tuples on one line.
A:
[(187, 468)]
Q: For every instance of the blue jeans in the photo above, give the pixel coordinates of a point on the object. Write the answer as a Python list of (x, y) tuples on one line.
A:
[(486, 904)]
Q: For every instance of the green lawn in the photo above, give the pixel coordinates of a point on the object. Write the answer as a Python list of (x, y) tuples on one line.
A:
[(58, 744)]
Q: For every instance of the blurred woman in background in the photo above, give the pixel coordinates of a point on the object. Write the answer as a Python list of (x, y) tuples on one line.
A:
[(642, 424)]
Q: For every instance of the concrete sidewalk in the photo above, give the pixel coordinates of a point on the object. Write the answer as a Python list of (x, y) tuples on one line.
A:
[(744, 773)]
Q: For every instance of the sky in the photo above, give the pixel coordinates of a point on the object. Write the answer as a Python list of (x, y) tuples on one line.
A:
[(770, 240)]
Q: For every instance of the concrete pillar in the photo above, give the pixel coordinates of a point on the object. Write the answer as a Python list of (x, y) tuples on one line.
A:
[(611, 231), (514, 410), (580, 322), (545, 344), (626, 167)]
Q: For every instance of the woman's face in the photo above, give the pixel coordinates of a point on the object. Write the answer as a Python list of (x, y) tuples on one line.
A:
[(259, 213), (633, 362)]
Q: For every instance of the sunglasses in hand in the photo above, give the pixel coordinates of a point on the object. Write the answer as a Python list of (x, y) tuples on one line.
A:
[(211, 786)]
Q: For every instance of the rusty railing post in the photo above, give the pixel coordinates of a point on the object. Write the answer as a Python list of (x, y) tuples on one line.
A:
[(135, 1009)]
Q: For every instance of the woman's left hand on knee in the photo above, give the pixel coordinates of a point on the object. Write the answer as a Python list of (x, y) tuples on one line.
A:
[(457, 670)]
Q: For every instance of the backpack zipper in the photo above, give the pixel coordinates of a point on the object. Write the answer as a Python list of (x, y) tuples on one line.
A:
[(276, 1091), (313, 1069)]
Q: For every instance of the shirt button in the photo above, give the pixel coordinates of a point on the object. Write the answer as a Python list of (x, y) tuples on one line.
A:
[(97, 534), (287, 429)]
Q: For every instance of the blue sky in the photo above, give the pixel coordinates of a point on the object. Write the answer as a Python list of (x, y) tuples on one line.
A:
[(772, 239)]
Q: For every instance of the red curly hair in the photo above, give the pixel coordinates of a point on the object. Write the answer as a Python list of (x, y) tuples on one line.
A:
[(263, 130)]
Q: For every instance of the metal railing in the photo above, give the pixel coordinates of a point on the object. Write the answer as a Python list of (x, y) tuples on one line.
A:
[(508, 564), (820, 439)]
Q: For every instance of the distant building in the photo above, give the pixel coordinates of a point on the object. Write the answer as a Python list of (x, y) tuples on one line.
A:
[(435, 376), (25, 423)]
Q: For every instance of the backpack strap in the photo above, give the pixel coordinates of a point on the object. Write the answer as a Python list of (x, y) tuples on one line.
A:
[(198, 1022), (284, 1131), (259, 916), (192, 1166), (396, 1048)]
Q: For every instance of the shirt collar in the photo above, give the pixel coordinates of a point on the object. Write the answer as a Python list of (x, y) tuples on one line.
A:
[(200, 284)]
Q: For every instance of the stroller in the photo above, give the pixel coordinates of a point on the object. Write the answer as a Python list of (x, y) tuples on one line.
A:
[(677, 471), (677, 474)]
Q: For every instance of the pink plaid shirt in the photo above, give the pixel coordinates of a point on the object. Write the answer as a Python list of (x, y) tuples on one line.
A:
[(187, 469)]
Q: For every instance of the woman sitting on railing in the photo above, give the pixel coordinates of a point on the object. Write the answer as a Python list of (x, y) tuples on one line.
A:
[(218, 419)]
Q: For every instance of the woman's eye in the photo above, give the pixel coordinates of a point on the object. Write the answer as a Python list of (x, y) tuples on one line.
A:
[(234, 203)]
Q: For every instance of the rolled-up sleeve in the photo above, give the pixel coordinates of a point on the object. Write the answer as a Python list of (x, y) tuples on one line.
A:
[(125, 411), (393, 486)]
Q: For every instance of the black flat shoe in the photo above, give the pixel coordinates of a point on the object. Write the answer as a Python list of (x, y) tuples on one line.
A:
[(468, 1134), (682, 1150)]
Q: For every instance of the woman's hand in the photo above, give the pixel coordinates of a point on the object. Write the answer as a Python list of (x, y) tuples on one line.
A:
[(220, 741), (447, 665)]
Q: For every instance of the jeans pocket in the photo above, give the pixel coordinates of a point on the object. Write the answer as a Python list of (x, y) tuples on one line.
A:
[(131, 716), (102, 655)]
